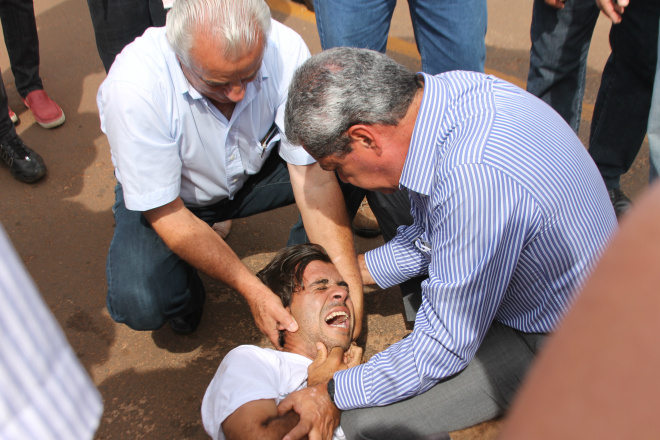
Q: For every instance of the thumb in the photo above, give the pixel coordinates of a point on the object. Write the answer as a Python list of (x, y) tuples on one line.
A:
[(321, 353), (286, 321)]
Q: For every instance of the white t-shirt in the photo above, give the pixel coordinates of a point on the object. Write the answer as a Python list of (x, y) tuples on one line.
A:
[(250, 373)]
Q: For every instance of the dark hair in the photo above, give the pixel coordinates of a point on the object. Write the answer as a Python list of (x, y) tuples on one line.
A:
[(284, 274)]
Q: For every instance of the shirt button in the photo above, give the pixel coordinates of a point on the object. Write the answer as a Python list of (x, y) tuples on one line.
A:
[(232, 157)]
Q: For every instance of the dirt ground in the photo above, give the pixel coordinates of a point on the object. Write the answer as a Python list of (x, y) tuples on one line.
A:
[(153, 382)]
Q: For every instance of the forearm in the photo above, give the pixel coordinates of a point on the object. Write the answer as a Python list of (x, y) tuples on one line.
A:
[(322, 207), (196, 243)]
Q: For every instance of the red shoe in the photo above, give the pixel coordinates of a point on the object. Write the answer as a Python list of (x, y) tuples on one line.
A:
[(47, 113), (13, 117)]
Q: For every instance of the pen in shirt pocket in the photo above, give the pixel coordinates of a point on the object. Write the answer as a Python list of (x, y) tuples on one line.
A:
[(272, 131)]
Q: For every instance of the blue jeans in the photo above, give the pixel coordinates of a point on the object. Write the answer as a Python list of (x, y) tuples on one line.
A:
[(148, 284), (560, 43), (118, 22), (450, 34), (654, 125)]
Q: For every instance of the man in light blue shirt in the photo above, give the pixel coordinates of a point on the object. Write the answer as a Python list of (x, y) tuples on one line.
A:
[(510, 215), (193, 114)]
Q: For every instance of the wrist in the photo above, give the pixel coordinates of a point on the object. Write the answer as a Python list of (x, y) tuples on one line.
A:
[(331, 389)]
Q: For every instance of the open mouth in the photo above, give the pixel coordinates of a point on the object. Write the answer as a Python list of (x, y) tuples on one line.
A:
[(338, 319)]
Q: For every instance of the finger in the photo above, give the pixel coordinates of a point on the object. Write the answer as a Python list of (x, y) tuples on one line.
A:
[(274, 337), (336, 354), (321, 353), (558, 4), (285, 406), (299, 431), (608, 9)]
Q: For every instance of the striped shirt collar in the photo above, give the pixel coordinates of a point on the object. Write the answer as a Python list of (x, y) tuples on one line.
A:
[(418, 169)]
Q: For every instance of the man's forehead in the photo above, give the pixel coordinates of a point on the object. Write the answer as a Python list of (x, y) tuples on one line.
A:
[(319, 272)]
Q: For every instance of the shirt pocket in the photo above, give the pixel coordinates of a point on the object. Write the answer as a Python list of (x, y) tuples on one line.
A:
[(259, 151)]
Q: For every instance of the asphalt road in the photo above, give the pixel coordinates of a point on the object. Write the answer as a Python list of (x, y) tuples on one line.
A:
[(153, 382)]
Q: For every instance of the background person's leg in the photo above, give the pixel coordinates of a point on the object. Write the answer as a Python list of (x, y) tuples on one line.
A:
[(654, 125), (558, 58), (622, 107), (481, 392), (19, 28), (119, 22), (350, 23), (450, 34)]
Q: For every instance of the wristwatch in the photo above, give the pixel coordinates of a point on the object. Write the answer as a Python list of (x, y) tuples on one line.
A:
[(331, 389)]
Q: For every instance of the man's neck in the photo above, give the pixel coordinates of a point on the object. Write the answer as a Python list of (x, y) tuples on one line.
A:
[(294, 347), (226, 109)]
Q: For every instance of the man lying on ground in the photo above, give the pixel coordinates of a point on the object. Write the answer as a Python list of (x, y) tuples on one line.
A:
[(241, 401)]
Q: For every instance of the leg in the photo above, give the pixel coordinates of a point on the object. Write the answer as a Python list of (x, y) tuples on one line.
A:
[(450, 34), (481, 392), (622, 107), (654, 125), (363, 23), (119, 22), (558, 58), (6, 125), (147, 283), (20, 31)]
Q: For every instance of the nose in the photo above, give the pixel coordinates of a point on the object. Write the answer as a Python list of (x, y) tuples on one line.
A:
[(235, 91), (339, 293)]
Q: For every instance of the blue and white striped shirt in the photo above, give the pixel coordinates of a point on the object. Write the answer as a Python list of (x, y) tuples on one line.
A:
[(45, 393), (510, 215)]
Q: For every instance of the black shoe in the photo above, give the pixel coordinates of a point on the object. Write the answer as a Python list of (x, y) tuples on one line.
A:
[(24, 163), (620, 202), (188, 321)]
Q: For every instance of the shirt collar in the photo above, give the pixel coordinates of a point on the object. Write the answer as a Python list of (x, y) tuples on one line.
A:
[(418, 169)]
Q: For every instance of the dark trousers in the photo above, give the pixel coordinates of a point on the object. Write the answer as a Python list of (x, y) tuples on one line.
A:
[(20, 31), (118, 22), (622, 107), (6, 125)]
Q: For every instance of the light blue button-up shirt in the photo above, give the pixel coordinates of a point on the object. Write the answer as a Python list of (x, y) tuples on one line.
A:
[(510, 215), (167, 140)]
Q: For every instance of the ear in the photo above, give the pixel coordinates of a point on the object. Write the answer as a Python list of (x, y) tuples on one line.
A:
[(364, 136)]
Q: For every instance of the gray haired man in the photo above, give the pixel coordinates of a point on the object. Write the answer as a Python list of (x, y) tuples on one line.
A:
[(510, 215), (194, 113)]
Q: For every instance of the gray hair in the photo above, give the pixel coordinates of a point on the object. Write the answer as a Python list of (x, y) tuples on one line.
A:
[(238, 24), (342, 87)]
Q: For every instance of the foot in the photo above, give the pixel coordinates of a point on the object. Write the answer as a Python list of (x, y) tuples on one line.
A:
[(365, 223), (46, 112), (24, 163), (13, 117), (222, 228), (188, 321), (620, 202)]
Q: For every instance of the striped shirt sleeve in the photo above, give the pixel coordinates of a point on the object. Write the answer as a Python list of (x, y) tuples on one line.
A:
[(45, 393)]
